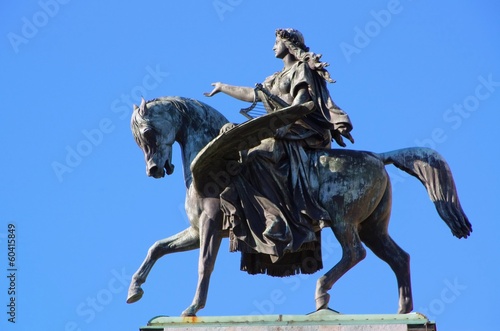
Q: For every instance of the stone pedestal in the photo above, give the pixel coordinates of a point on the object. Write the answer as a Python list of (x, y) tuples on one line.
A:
[(318, 321)]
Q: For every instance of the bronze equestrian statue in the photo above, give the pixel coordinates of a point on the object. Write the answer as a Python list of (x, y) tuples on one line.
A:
[(272, 183)]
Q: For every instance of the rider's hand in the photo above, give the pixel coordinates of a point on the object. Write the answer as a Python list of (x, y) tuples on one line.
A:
[(226, 127), (217, 88), (340, 131), (338, 138)]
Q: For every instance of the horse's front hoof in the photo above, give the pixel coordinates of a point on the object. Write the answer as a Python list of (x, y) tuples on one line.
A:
[(134, 294), (322, 301), (325, 311)]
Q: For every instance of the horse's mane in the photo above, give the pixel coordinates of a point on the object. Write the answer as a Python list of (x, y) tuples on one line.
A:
[(196, 112)]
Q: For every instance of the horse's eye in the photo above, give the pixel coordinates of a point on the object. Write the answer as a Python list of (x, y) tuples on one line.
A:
[(147, 132), (150, 136)]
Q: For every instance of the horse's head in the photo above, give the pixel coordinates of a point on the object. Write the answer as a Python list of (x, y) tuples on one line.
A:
[(154, 132)]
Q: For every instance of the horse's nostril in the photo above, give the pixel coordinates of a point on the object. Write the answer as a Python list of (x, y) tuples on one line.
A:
[(152, 171)]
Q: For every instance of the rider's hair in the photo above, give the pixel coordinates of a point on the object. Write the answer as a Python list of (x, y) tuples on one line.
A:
[(294, 42)]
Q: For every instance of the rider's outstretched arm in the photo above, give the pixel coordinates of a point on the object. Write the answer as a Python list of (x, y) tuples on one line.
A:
[(239, 92)]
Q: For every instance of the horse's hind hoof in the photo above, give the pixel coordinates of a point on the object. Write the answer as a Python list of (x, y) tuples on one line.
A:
[(191, 311), (135, 294)]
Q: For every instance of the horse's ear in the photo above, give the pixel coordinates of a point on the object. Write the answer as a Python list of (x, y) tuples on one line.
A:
[(135, 107), (143, 109)]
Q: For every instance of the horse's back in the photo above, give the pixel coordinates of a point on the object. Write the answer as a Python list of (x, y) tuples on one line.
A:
[(351, 183)]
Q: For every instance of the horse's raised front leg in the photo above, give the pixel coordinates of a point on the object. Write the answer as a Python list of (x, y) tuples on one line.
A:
[(210, 240), (352, 252), (183, 241)]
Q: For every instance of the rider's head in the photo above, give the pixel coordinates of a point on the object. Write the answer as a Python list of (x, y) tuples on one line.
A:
[(294, 42), (292, 39)]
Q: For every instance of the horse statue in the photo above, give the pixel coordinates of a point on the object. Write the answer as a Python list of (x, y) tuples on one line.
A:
[(355, 189)]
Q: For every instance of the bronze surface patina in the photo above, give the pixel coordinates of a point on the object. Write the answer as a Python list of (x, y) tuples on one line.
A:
[(273, 183)]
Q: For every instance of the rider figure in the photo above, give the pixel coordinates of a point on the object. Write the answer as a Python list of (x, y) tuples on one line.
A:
[(303, 78), (275, 179)]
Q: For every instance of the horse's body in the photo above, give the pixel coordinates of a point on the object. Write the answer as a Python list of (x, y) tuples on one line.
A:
[(354, 188)]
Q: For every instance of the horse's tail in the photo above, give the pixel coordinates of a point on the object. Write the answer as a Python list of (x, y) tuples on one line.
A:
[(433, 171)]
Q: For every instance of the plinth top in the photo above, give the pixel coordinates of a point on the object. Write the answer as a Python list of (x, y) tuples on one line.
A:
[(394, 322)]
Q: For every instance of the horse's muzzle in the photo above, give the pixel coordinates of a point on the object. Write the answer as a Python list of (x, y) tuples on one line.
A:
[(156, 172), (169, 167)]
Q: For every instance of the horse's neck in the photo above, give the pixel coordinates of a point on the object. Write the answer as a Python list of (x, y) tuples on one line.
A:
[(189, 150), (192, 137), (194, 124)]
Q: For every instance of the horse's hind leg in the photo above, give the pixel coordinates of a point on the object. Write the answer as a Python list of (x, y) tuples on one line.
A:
[(183, 241), (352, 253), (374, 234)]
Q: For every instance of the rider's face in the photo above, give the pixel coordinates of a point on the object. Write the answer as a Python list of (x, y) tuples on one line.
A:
[(280, 49)]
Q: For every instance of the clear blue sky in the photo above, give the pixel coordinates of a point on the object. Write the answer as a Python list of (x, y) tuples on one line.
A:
[(73, 182)]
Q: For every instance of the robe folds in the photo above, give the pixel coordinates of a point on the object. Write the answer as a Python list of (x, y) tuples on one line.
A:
[(271, 208)]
